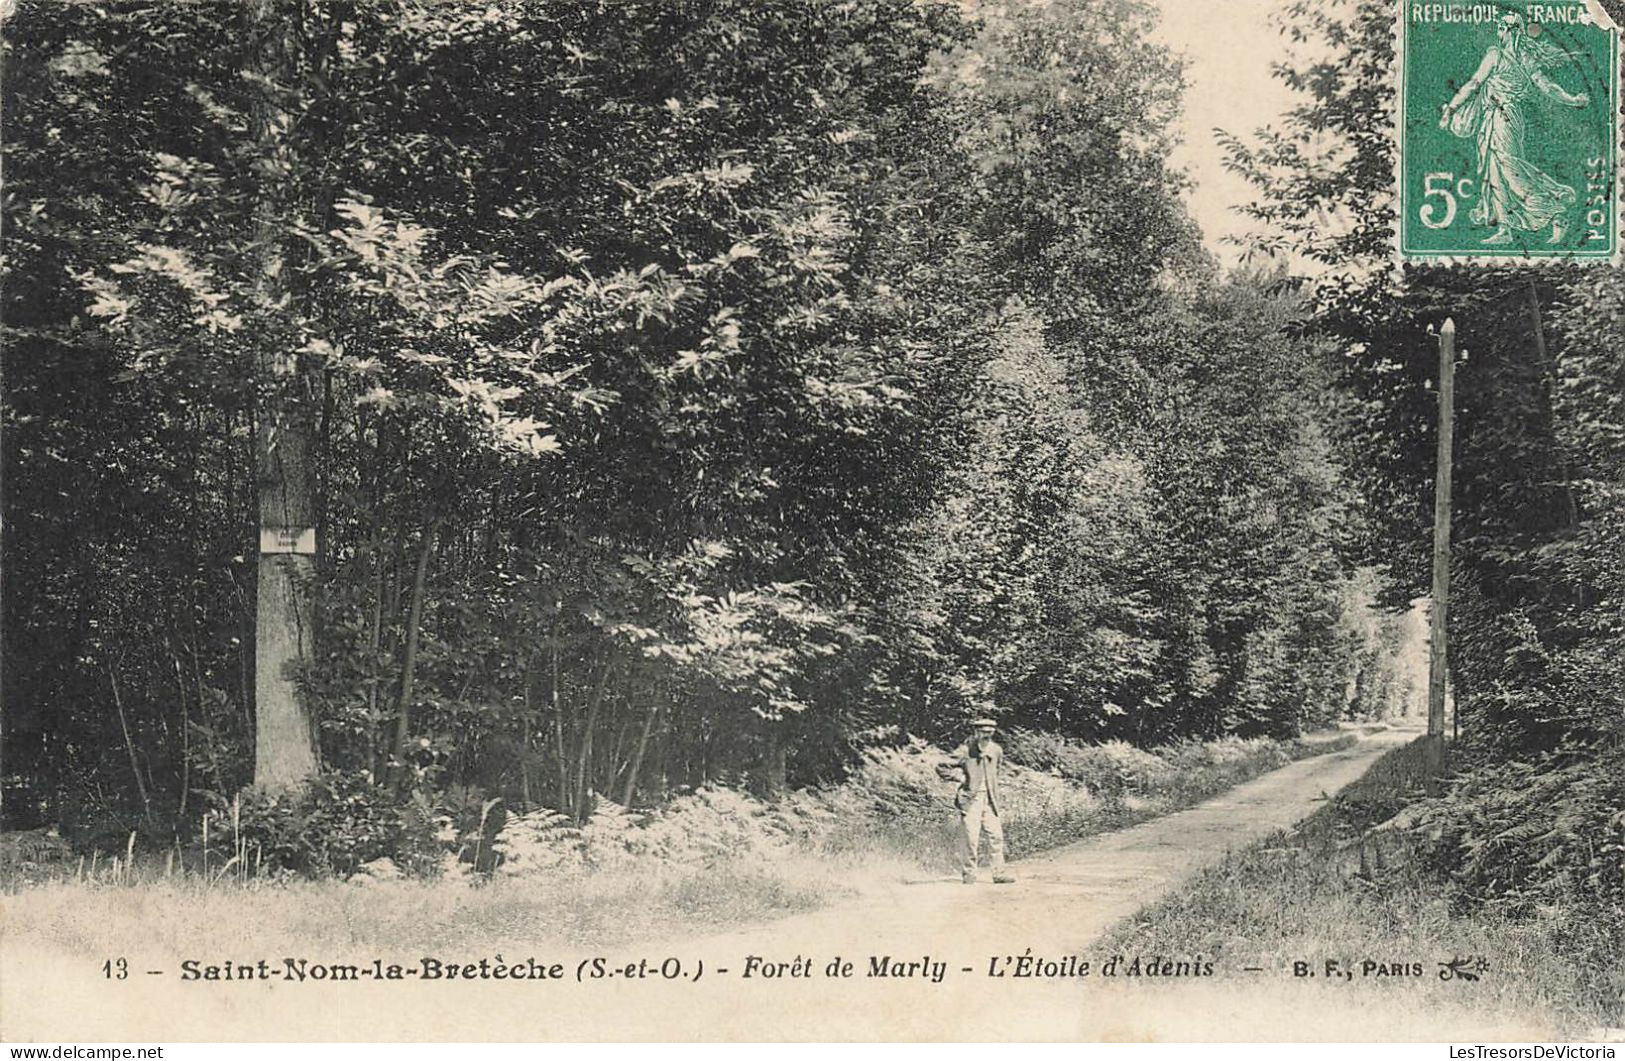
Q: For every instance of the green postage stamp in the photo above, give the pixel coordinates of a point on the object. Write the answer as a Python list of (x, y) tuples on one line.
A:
[(1508, 131)]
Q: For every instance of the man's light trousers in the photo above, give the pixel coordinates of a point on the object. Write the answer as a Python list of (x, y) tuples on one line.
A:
[(977, 814)]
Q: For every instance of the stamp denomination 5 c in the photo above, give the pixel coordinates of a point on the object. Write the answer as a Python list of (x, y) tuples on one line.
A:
[(1508, 131)]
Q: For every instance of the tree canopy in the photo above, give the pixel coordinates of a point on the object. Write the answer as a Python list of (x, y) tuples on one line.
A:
[(693, 392)]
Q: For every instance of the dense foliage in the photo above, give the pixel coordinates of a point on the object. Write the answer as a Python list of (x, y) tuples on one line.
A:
[(1539, 520), (700, 392)]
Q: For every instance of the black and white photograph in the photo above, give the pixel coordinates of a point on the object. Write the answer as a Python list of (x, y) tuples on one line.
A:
[(809, 521)]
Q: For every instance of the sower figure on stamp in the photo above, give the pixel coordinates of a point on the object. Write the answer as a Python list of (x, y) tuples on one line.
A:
[(1493, 109), (976, 768)]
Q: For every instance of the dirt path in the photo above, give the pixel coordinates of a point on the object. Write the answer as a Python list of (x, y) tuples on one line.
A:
[(1065, 898), (937, 942)]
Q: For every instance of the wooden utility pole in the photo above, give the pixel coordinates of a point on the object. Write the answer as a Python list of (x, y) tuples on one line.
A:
[(1440, 615)]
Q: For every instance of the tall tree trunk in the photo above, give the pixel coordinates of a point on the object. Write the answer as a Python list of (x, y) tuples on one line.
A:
[(284, 739), (565, 806), (409, 661), (534, 733), (324, 461), (774, 761), (186, 726), (242, 605), (612, 764), (584, 749), (375, 631), (373, 466), (129, 744), (642, 749)]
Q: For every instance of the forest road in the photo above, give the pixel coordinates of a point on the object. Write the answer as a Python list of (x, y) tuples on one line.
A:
[(912, 962)]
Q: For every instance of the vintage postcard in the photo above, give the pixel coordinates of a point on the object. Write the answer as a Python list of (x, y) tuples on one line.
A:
[(914, 521)]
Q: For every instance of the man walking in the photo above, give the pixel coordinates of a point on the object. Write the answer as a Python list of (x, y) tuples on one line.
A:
[(976, 768)]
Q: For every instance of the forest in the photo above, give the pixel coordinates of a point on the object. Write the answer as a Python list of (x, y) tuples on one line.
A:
[(413, 405)]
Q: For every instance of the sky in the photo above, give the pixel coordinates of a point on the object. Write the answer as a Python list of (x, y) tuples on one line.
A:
[(1228, 46)]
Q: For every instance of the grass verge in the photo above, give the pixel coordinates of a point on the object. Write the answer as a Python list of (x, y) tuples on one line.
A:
[(186, 916), (1308, 896)]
